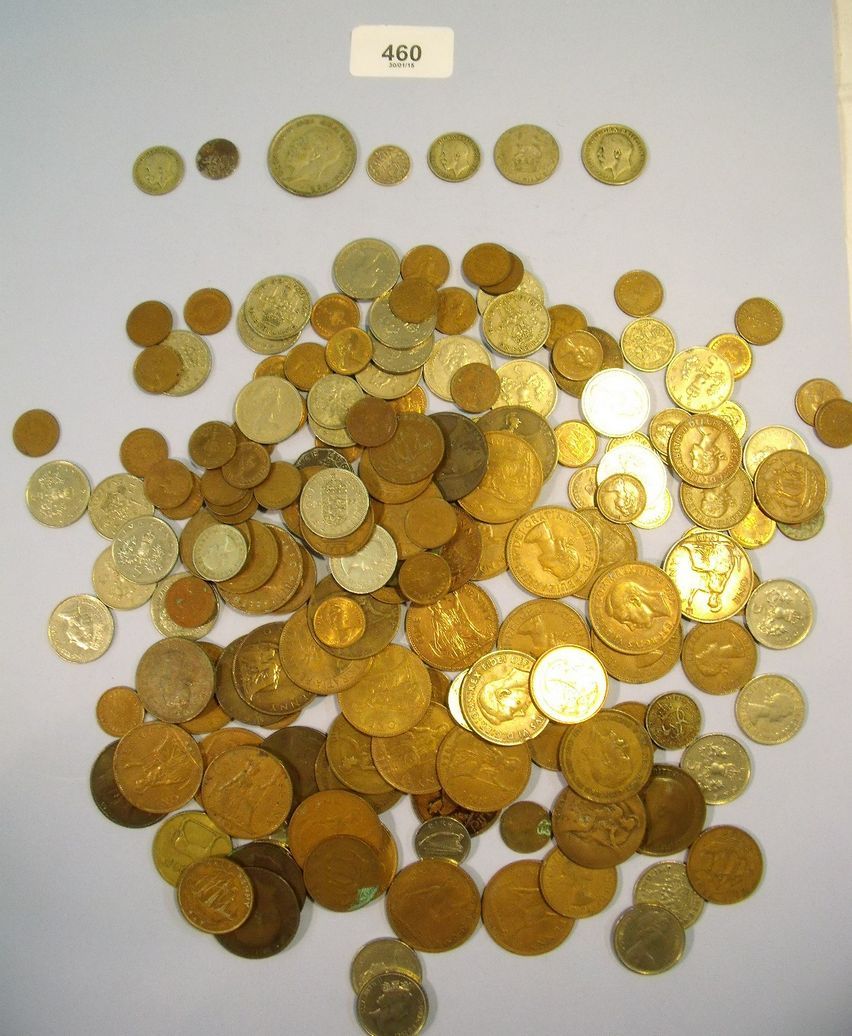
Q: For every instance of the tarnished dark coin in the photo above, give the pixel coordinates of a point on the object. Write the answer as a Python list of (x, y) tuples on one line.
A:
[(273, 921), (298, 748), (217, 158), (527, 424), (109, 799), (273, 857), (441, 805), (465, 455), (674, 811)]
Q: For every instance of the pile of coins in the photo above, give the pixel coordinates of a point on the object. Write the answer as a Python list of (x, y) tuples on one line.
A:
[(439, 504), (313, 155)]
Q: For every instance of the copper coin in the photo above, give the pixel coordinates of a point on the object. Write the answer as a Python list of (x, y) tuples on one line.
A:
[(371, 421), (433, 905), (675, 810), (298, 747), (431, 522), (273, 857), (157, 767), (247, 792), (440, 804), (465, 455), (475, 387), (207, 311), (328, 813), (212, 444), (517, 916), (35, 433), (141, 449), (281, 486), (248, 467), (457, 311), (217, 159), (119, 710), (190, 602), (413, 300), (333, 313), (273, 922), (833, 423), (174, 679), (525, 827), (510, 281), (343, 873), (149, 323), (424, 578), (412, 453), (724, 864), (597, 834), (215, 895), (486, 263), (426, 262), (157, 369), (168, 483), (108, 797)]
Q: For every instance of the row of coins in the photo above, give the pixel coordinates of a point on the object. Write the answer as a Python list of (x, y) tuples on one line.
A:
[(439, 503), (315, 154)]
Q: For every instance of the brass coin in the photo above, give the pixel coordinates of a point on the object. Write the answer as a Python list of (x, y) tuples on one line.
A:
[(673, 720), (158, 170), (486, 263), (329, 813), (674, 809), (392, 1002), (339, 622), (614, 154), (433, 906), (342, 873), (141, 449), (724, 864), (475, 387), (577, 355), (634, 607), (157, 369), (638, 293), (167, 484), (790, 486), (606, 758), (35, 433), (648, 344), (413, 300), (779, 614), (517, 916), (667, 885), (207, 311), (427, 262), (454, 157), (119, 710), (455, 631), (217, 158), (388, 165), (431, 522), (333, 313), (380, 956), (479, 775), (349, 350), (833, 423), (719, 765), (408, 761), (442, 838), (392, 697), (759, 321), (735, 350), (770, 709), (281, 487), (648, 939), (273, 921), (575, 891), (184, 839), (621, 498), (537, 626), (212, 444), (215, 895), (249, 466), (525, 827), (424, 578), (108, 797), (80, 628), (311, 155), (526, 154), (456, 311)]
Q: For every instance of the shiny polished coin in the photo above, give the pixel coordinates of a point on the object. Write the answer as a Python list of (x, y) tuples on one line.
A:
[(704, 451), (699, 380), (712, 575), (517, 916), (615, 402), (673, 720), (80, 628), (184, 839), (442, 838), (57, 493), (35, 433), (666, 885), (735, 350), (568, 684), (391, 1003), (770, 709), (454, 157), (720, 507), (311, 155), (648, 939), (759, 321), (217, 159), (648, 344), (380, 956), (779, 613), (495, 698), (215, 895), (536, 626), (719, 765), (510, 483), (526, 154), (724, 864), (433, 905), (525, 827), (158, 170), (577, 443), (551, 551), (614, 154)]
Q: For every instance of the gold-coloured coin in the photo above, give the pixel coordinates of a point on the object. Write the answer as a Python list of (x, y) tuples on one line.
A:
[(724, 864), (35, 433), (433, 905), (442, 838), (339, 622), (141, 449), (511, 483), (648, 939), (719, 658), (517, 916), (207, 311), (754, 530), (268, 410), (479, 775), (158, 170), (759, 321), (158, 368), (573, 890), (149, 323), (606, 758), (673, 720), (392, 1002), (392, 697), (704, 451), (719, 765), (568, 684), (577, 443), (408, 761), (247, 792), (215, 895), (766, 441), (538, 625), (525, 827), (515, 324), (185, 839), (790, 486), (597, 834), (720, 507), (343, 873), (119, 710), (526, 154), (551, 551), (577, 355), (779, 613), (456, 311), (582, 486), (388, 165), (635, 607), (811, 395), (57, 493), (638, 293), (770, 709), (475, 387), (454, 157), (667, 885), (365, 268), (735, 350), (495, 698), (833, 423), (311, 155), (80, 628), (621, 498), (699, 380), (349, 350), (380, 956), (158, 767), (675, 811), (648, 344), (614, 154), (712, 575)]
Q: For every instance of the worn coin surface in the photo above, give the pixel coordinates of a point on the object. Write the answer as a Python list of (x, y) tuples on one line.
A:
[(158, 170), (770, 709), (614, 154), (454, 157), (311, 155), (526, 154), (57, 493), (80, 628), (648, 939)]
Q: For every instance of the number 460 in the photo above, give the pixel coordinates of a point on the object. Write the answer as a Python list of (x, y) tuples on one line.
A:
[(402, 52)]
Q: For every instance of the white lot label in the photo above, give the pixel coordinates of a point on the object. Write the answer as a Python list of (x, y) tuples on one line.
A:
[(402, 51)]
